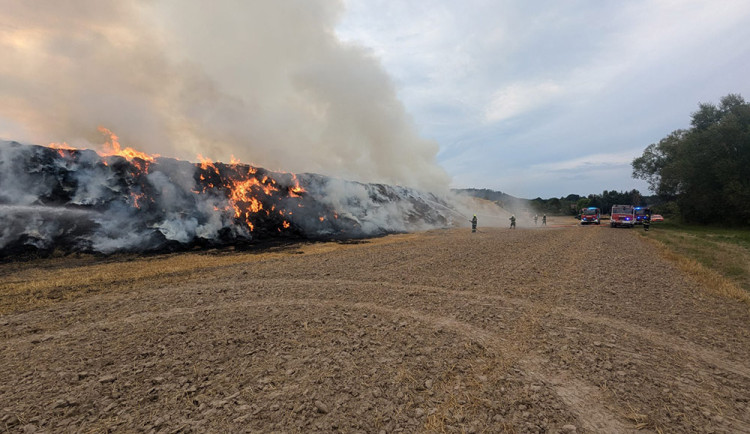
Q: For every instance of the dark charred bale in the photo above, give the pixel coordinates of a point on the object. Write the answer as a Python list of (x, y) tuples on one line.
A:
[(61, 200)]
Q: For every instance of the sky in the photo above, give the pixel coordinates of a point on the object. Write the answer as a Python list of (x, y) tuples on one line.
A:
[(547, 98), (532, 98)]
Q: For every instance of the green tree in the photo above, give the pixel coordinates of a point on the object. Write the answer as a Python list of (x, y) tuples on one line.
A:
[(706, 169), (582, 203), (554, 205), (657, 168)]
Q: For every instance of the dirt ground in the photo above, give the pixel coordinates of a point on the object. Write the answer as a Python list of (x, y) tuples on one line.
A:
[(559, 329)]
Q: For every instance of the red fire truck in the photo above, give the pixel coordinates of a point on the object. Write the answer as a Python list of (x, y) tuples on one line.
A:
[(590, 215), (622, 215)]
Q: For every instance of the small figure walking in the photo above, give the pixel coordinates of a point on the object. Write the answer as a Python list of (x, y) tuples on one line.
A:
[(536, 217), (544, 220), (512, 221), (474, 223), (646, 221)]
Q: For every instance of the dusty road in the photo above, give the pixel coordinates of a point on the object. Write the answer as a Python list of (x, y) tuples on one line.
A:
[(561, 329)]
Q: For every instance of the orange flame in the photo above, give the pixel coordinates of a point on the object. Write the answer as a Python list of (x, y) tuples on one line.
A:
[(62, 148), (296, 190), (206, 163), (137, 197), (62, 145), (246, 193), (112, 147)]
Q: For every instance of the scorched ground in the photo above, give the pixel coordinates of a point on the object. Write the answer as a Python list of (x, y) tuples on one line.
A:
[(444, 331)]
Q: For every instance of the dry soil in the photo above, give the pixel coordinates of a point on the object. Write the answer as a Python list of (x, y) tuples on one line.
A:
[(545, 329)]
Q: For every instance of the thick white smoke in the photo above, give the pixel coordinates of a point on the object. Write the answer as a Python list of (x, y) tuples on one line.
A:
[(76, 200), (265, 81)]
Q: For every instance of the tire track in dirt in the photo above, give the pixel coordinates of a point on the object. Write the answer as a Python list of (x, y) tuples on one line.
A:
[(529, 306), (497, 344), (673, 343), (586, 406), (660, 339), (586, 400), (688, 353)]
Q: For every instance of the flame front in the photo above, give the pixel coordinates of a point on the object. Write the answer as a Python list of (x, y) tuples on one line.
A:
[(112, 147), (247, 196), (63, 149), (296, 190), (253, 194)]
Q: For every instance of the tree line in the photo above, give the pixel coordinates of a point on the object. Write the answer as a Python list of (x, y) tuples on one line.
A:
[(573, 203), (700, 174), (566, 205), (703, 173)]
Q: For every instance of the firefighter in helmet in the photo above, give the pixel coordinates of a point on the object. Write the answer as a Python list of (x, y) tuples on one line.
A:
[(474, 223), (512, 221)]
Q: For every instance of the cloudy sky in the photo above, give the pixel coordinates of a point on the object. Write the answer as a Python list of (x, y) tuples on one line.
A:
[(533, 98), (547, 98)]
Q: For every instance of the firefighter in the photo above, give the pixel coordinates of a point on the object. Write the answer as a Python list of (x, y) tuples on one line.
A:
[(536, 217), (474, 223), (544, 220), (512, 221), (647, 221)]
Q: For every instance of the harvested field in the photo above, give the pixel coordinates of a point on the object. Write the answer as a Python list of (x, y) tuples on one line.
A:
[(556, 329)]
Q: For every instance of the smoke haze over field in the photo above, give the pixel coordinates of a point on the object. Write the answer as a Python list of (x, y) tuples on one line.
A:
[(266, 82)]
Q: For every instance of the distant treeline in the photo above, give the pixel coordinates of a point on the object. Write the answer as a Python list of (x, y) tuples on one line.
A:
[(703, 173), (700, 175), (573, 203), (567, 205)]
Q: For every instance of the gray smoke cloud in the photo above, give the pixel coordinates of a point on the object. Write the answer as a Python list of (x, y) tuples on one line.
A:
[(265, 81)]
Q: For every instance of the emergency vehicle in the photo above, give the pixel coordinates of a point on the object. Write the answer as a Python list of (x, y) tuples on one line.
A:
[(640, 213), (622, 215), (590, 215)]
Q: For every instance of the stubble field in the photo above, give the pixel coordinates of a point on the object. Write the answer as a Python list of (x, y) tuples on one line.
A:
[(555, 329)]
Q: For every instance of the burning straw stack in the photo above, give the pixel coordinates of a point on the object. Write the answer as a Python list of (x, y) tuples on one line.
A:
[(74, 200)]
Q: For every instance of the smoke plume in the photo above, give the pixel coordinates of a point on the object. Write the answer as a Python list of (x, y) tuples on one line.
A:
[(267, 82)]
